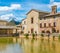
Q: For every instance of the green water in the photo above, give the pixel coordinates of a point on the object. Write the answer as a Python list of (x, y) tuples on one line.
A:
[(23, 45)]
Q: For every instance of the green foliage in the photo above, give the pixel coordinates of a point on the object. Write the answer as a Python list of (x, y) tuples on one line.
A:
[(6, 40), (42, 35), (59, 37), (53, 37), (33, 35), (22, 32), (26, 35)]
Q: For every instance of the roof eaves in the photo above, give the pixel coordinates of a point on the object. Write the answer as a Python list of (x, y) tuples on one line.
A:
[(37, 11)]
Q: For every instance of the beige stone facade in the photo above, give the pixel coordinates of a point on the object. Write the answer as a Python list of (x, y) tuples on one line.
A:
[(24, 26), (6, 29), (42, 22), (19, 28), (2, 22)]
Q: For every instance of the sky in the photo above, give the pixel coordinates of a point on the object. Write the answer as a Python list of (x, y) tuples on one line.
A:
[(17, 9)]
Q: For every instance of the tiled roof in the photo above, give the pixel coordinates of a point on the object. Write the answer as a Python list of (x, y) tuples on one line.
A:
[(8, 27), (51, 15), (37, 11), (3, 21)]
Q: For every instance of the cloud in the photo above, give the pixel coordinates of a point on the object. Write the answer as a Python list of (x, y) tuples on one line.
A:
[(18, 19), (43, 7), (54, 3), (51, 1), (11, 7), (15, 6), (9, 17), (6, 17)]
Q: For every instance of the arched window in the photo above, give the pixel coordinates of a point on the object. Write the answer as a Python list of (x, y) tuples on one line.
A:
[(43, 31), (23, 28), (47, 31), (53, 30)]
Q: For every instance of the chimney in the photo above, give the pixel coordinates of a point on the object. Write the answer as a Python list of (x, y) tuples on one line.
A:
[(54, 9)]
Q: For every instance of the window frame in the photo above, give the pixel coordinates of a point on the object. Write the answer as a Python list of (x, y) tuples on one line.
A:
[(44, 24), (32, 20), (54, 24), (40, 25)]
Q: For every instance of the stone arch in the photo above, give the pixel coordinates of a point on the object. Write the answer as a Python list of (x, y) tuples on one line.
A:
[(53, 30), (43, 31), (47, 31)]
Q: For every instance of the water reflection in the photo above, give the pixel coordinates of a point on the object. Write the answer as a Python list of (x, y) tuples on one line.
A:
[(9, 46), (23, 45), (40, 46)]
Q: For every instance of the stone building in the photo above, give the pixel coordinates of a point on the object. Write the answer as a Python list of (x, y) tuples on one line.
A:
[(42, 22), (6, 28), (19, 28)]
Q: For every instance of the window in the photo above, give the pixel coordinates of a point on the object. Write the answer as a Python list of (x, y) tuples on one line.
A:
[(57, 31), (28, 31), (44, 24), (35, 31), (44, 18), (23, 28), (32, 20), (40, 25), (54, 16), (40, 18), (53, 30), (49, 24), (32, 30), (54, 24), (43, 31), (47, 31), (24, 22)]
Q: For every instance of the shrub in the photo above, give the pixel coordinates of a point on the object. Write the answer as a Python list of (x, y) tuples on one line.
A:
[(21, 32), (59, 37), (33, 35), (42, 35), (53, 37), (26, 35)]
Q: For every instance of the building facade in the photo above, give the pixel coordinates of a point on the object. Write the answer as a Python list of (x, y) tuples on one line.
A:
[(42, 22), (24, 26), (6, 28), (19, 28)]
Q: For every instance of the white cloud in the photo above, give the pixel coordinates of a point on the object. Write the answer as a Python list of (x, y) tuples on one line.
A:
[(11, 7), (9, 17), (54, 3), (15, 6), (18, 19), (6, 17), (51, 1)]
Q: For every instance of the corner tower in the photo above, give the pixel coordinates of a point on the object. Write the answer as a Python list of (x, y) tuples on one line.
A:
[(54, 9)]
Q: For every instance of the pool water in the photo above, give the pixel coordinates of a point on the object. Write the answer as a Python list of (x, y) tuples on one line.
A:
[(23, 45)]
